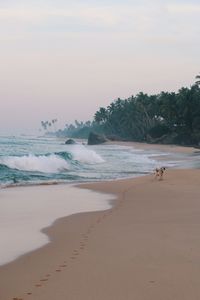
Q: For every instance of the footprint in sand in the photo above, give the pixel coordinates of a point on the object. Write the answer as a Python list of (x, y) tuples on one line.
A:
[(73, 257), (63, 266), (44, 279), (152, 281)]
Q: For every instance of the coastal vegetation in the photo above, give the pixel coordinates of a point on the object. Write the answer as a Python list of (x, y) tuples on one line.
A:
[(167, 117), (47, 125), (162, 118)]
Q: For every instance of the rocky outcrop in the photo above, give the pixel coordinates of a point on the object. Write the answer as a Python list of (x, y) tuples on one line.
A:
[(70, 142), (95, 139)]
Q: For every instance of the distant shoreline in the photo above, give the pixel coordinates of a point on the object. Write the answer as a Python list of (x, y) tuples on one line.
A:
[(163, 147)]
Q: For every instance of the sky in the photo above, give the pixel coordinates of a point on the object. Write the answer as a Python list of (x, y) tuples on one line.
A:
[(65, 59)]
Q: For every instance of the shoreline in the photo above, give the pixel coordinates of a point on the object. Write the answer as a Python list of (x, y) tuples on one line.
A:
[(163, 147), (144, 247), (13, 275), (172, 149), (26, 211)]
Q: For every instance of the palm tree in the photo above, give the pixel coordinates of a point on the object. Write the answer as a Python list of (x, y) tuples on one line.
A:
[(101, 116), (53, 122), (44, 125), (198, 80), (49, 124)]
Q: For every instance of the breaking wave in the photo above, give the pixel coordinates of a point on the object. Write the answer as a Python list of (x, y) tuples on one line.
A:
[(45, 164), (52, 163), (84, 155)]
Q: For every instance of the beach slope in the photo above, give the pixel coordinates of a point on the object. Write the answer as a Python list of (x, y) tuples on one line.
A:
[(147, 247)]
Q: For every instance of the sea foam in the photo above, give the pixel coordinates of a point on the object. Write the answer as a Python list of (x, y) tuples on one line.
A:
[(53, 163), (84, 155), (42, 163)]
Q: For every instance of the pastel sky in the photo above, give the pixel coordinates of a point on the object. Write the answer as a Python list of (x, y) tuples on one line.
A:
[(64, 59)]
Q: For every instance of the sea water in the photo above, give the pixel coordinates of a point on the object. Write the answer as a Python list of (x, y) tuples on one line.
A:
[(27, 163), (31, 160)]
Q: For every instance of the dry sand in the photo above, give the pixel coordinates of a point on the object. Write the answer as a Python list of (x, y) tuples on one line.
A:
[(147, 247), (161, 147)]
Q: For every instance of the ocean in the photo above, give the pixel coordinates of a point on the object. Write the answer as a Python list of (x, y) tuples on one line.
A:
[(33, 160), (29, 164)]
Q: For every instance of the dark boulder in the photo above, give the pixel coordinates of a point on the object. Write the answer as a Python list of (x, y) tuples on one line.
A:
[(70, 142), (95, 139)]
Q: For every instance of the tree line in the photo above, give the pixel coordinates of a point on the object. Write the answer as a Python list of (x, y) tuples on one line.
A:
[(167, 117), (47, 125)]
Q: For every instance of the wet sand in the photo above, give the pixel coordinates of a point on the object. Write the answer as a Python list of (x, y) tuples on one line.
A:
[(146, 247), (23, 217)]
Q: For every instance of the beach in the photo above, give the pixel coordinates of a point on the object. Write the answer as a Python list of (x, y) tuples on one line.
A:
[(145, 247), (100, 150)]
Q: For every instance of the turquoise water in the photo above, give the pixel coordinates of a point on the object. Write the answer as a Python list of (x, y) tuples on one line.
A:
[(30, 160), (33, 160)]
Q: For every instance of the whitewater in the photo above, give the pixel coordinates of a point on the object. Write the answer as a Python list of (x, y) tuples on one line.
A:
[(38, 160)]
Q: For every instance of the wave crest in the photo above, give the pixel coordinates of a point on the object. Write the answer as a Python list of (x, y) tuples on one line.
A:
[(52, 163), (83, 155), (46, 164)]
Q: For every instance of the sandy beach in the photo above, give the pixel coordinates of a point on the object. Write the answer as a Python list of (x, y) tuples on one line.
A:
[(146, 247), (161, 147)]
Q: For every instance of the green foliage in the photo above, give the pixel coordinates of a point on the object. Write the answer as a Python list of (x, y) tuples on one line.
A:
[(171, 117), (163, 118), (159, 130)]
